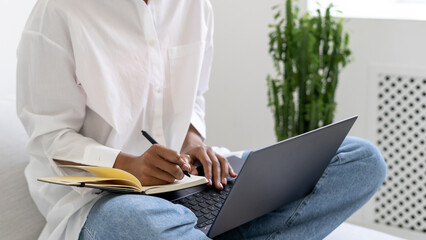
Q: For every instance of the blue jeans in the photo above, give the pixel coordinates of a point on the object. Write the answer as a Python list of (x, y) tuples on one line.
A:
[(354, 174)]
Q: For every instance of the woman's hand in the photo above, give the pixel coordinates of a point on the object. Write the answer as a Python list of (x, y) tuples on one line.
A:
[(158, 165), (215, 166)]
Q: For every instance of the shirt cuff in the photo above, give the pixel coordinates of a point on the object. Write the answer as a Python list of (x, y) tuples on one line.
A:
[(100, 155), (199, 124)]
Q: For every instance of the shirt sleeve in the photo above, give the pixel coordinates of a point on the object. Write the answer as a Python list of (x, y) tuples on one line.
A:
[(198, 113), (51, 105)]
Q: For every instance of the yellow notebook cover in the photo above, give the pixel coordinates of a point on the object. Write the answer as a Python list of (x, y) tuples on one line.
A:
[(117, 180)]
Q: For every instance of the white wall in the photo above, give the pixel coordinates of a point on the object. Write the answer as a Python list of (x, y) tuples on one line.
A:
[(237, 113), (13, 15)]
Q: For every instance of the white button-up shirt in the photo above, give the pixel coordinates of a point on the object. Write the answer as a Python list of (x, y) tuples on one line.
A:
[(92, 73)]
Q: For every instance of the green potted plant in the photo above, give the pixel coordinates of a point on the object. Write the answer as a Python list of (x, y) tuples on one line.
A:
[(308, 53)]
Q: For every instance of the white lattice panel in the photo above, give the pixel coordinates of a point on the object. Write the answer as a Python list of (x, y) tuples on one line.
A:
[(401, 126)]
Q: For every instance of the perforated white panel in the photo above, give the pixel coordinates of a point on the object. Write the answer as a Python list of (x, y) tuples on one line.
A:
[(401, 124)]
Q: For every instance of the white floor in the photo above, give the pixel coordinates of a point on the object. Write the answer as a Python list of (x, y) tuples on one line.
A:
[(348, 231), (394, 231)]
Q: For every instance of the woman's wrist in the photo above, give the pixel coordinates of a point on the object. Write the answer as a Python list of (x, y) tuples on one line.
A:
[(193, 139), (123, 160)]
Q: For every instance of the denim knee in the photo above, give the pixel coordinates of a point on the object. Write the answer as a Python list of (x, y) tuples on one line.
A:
[(374, 166), (131, 216)]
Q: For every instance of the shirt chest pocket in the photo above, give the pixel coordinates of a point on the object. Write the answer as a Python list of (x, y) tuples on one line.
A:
[(185, 64)]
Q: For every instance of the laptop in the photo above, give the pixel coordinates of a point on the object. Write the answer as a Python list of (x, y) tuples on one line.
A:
[(269, 178)]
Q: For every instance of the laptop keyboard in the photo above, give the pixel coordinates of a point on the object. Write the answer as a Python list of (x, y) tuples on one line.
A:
[(205, 204)]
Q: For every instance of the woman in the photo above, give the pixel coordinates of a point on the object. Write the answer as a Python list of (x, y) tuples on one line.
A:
[(93, 73)]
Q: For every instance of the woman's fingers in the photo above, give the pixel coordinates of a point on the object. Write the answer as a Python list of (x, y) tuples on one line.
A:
[(152, 175), (211, 165), (187, 166), (171, 156), (170, 168), (224, 167), (216, 168), (155, 180), (203, 157), (194, 171), (162, 165), (231, 171)]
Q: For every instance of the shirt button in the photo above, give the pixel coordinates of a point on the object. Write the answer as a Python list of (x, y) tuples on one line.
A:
[(159, 90), (152, 43)]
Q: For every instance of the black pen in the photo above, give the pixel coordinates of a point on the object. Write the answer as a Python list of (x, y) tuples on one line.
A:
[(152, 141)]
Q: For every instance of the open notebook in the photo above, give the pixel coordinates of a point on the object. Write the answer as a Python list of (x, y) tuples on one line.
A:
[(116, 180)]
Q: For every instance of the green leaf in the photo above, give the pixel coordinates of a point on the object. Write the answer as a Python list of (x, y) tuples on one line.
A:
[(308, 53), (277, 15)]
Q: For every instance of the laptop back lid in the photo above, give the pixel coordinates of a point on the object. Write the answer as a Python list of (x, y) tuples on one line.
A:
[(279, 174)]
